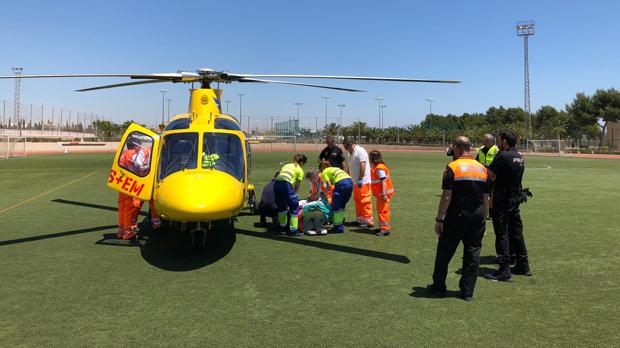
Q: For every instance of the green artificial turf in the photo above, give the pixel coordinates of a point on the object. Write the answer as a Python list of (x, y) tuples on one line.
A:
[(64, 282)]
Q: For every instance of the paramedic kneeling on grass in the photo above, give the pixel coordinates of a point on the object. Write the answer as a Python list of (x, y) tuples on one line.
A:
[(343, 187), (286, 187)]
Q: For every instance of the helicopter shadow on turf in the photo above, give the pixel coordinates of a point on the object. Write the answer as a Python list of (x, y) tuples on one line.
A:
[(172, 250), (163, 248)]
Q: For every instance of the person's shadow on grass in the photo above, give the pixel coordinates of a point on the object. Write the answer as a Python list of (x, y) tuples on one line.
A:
[(423, 292)]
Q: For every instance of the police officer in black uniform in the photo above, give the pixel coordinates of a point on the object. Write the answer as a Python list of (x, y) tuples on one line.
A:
[(461, 216), (507, 168), (332, 153)]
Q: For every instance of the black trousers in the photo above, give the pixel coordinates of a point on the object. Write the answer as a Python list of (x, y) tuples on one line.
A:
[(509, 238), (467, 227)]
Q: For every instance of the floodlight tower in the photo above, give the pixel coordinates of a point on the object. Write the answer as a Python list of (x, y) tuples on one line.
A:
[(18, 71), (526, 29)]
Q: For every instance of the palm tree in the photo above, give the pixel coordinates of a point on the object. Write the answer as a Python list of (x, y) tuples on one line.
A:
[(331, 129), (359, 129)]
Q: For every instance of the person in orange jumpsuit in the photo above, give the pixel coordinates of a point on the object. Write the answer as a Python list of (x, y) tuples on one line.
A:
[(126, 208), (142, 163), (359, 170), (382, 189)]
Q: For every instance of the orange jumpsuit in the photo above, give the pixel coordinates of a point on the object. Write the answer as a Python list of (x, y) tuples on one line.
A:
[(363, 204), (381, 182), (125, 202), (137, 204)]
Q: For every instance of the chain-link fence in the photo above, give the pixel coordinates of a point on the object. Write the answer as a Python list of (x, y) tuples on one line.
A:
[(45, 121)]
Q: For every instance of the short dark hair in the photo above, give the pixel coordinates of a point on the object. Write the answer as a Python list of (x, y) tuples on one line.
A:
[(300, 159), (509, 136), (347, 142)]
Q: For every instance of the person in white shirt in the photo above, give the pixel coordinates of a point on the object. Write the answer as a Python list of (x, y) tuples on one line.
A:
[(359, 170)]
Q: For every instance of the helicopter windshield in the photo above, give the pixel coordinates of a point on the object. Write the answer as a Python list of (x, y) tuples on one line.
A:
[(223, 151), (178, 153)]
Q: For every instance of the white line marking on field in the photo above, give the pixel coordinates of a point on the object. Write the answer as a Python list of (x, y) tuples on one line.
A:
[(47, 192)]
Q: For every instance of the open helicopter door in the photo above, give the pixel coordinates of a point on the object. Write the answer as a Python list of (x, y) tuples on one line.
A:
[(135, 163)]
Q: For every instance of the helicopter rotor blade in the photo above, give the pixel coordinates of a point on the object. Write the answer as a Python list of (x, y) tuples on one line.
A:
[(144, 82), (298, 84), (338, 77), (63, 75), (182, 76)]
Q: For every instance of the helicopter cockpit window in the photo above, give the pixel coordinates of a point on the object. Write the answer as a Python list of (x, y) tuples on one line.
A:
[(222, 123), (223, 151), (179, 152), (180, 123), (136, 154)]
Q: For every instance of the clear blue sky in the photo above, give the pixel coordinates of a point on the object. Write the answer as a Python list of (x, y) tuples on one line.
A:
[(575, 49)]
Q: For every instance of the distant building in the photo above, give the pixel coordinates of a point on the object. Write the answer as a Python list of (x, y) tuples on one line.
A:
[(287, 128)]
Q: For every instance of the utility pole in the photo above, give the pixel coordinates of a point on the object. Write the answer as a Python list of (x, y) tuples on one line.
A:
[(16, 115), (241, 109), (163, 101), (383, 114), (340, 119), (526, 29), (296, 121), (326, 97), (168, 100), (379, 100), (227, 102)]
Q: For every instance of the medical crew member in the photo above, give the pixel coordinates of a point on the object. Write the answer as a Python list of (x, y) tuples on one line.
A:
[(359, 169), (343, 188), (382, 189), (142, 161), (507, 169), (286, 187), (461, 216), (126, 208)]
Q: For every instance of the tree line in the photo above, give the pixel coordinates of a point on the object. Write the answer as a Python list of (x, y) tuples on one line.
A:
[(586, 117)]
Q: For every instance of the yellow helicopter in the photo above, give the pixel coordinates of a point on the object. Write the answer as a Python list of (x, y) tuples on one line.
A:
[(197, 170)]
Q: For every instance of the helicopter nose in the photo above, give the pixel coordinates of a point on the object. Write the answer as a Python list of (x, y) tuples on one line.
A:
[(198, 196)]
